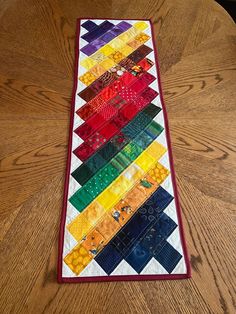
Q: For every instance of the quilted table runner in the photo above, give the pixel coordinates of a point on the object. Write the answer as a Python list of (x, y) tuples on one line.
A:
[(121, 218)]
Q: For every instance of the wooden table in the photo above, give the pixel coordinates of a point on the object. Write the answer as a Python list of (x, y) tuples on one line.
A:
[(196, 41)]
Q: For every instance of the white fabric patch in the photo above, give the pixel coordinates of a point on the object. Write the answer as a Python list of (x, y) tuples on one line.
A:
[(154, 267), (73, 186), (124, 269), (93, 270)]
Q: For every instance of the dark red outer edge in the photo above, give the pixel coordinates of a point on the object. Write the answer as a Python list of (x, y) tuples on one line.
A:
[(61, 279)]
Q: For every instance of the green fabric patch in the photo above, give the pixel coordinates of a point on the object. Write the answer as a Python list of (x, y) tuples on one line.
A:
[(132, 151), (120, 162), (81, 174), (81, 199), (143, 140), (153, 129)]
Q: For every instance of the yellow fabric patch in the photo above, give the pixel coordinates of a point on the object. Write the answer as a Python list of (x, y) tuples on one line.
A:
[(159, 173), (93, 212), (88, 63), (126, 50), (78, 259), (79, 227), (107, 227), (107, 64), (93, 241), (98, 56), (116, 43), (117, 56), (106, 50), (134, 44), (132, 32), (145, 161), (140, 25), (133, 173), (142, 38), (156, 150), (122, 212), (107, 199), (88, 78), (97, 70), (120, 186), (146, 186), (128, 35)]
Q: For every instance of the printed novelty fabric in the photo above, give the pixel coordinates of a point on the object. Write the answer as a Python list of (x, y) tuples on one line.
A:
[(121, 217)]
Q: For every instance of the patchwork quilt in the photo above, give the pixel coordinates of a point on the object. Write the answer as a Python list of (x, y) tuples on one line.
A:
[(121, 218)]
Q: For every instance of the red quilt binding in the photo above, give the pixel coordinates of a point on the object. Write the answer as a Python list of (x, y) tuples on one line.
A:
[(61, 279)]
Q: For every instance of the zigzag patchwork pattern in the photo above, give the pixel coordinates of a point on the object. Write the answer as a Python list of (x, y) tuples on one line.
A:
[(121, 216)]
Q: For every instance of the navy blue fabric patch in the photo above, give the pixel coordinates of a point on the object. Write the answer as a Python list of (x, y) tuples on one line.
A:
[(158, 201), (143, 237), (109, 258), (122, 241), (139, 257), (136, 226), (168, 257), (155, 238)]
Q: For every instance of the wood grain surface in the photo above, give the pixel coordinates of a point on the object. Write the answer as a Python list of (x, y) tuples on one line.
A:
[(196, 41)]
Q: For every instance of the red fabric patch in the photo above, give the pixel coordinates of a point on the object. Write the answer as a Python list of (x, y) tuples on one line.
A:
[(129, 111), (147, 78), (141, 103), (107, 93), (96, 141), (117, 102), (84, 131), (87, 94), (138, 86), (96, 121), (108, 130), (120, 121), (117, 85), (86, 111), (83, 152), (146, 64), (149, 94), (127, 79), (128, 94), (108, 112), (97, 103), (142, 82)]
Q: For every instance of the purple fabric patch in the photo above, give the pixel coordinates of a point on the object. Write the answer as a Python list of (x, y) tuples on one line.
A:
[(89, 25), (105, 26), (116, 31), (123, 26), (88, 49), (108, 36), (101, 35), (99, 31), (98, 43)]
